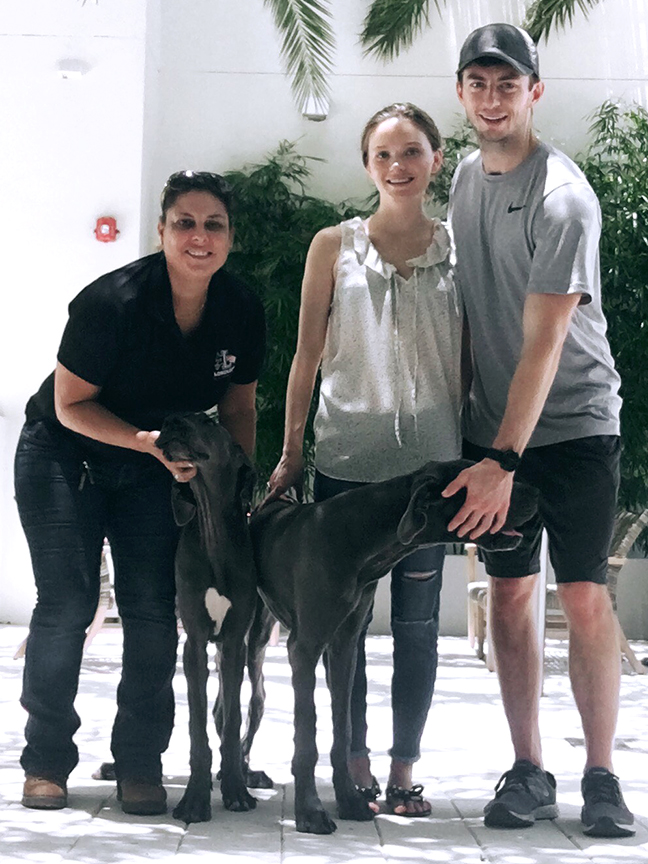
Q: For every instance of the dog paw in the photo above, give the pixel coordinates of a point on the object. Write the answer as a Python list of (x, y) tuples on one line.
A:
[(315, 822), (355, 808), (193, 807), (237, 798), (106, 771), (258, 780)]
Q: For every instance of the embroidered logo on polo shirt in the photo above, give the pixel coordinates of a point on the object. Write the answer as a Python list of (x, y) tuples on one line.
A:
[(224, 364), (512, 208)]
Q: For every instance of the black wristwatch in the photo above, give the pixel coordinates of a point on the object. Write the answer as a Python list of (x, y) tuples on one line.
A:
[(507, 459)]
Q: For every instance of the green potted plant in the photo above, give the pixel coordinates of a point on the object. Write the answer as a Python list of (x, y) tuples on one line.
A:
[(275, 220)]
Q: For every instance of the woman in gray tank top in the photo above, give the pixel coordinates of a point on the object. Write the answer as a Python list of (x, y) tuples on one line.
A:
[(379, 316)]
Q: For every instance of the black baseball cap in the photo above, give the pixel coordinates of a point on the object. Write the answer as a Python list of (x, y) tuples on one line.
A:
[(502, 42)]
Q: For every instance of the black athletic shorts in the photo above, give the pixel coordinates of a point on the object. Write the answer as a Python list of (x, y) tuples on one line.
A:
[(577, 483)]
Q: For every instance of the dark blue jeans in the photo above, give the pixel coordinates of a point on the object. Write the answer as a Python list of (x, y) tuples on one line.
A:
[(66, 511), (415, 628)]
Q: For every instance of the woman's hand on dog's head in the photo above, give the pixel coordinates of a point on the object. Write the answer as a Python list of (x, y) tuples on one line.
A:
[(182, 471)]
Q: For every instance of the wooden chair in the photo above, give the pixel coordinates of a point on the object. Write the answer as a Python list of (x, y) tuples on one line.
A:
[(555, 622)]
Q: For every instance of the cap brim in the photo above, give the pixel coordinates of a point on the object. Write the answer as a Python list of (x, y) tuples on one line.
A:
[(499, 55)]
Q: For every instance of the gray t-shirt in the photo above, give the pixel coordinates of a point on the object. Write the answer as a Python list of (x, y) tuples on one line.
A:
[(532, 230)]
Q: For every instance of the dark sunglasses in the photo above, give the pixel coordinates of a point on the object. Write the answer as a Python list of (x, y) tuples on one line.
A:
[(195, 181)]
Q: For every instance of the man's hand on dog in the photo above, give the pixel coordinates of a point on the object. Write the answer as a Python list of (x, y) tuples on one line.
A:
[(182, 471), (288, 474), (488, 496)]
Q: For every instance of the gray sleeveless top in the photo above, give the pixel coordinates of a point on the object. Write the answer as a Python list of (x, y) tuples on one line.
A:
[(391, 393)]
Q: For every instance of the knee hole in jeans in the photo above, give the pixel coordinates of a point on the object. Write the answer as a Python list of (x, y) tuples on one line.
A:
[(419, 575)]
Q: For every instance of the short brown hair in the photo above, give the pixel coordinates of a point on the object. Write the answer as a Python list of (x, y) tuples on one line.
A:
[(489, 62), (406, 111)]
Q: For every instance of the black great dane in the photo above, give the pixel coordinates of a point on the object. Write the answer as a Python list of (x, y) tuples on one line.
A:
[(216, 599), (318, 566)]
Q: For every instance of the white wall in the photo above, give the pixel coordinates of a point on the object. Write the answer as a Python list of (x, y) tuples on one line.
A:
[(176, 84), (227, 102), (71, 151)]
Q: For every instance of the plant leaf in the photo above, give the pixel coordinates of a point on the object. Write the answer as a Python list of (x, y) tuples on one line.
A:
[(275, 221), (542, 15), (616, 166), (392, 25), (307, 45)]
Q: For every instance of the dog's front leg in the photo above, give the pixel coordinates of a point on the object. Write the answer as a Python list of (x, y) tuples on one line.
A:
[(340, 660), (310, 815), (232, 665), (195, 804), (258, 639)]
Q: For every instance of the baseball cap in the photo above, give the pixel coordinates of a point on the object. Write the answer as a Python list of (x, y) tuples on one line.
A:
[(503, 42)]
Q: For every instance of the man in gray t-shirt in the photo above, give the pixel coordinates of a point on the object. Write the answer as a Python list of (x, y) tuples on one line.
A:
[(544, 404), (536, 232)]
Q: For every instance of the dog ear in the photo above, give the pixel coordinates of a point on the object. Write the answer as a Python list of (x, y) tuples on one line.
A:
[(426, 493), (415, 519), (182, 504), (245, 483)]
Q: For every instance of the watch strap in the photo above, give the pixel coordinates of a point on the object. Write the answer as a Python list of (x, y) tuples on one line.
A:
[(509, 460)]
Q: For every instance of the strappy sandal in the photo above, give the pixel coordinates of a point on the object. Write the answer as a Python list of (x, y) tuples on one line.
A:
[(370, 793), (396, 796)]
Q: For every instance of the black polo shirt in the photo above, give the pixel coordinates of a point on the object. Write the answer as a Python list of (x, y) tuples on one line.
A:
[(122, 336)]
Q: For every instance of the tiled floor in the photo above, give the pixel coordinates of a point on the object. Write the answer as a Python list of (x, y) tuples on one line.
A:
[(465, 750)]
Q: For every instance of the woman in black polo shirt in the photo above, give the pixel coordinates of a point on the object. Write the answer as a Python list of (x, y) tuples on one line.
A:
[(170, 332)]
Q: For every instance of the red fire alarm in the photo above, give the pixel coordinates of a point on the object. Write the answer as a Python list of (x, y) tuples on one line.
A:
[(106, 229)]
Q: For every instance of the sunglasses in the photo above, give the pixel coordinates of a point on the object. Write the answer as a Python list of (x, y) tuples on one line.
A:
[(198, 180)]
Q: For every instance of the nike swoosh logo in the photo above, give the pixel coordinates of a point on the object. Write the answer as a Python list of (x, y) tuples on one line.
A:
[(512, 209)]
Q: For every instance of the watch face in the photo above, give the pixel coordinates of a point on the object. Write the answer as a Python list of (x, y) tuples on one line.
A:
[(508, 459)]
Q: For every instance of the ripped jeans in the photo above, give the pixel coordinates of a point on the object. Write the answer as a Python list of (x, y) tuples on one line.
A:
[(415, 629)]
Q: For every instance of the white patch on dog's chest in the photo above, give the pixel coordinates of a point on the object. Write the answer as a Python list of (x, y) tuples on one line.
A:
[(217, 608)]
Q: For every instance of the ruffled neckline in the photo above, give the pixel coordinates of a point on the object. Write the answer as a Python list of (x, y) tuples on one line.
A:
[(436, 252)]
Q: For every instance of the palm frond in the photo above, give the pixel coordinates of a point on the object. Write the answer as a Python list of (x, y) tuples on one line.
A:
[(307, 45), (542, 15), (391, 25)]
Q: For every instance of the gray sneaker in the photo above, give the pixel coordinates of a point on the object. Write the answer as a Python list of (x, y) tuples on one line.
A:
[(604, 812), (523, 794)]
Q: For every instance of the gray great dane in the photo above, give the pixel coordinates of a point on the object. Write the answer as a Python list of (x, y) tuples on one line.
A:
[(318, 566), (216, 599)]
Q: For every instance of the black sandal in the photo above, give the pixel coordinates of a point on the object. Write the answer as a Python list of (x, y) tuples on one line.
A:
[(370, 793), (396, 796)]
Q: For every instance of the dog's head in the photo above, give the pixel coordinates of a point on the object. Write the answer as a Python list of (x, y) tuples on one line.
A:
[(193, 438), (200, 439), (428, 512)]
